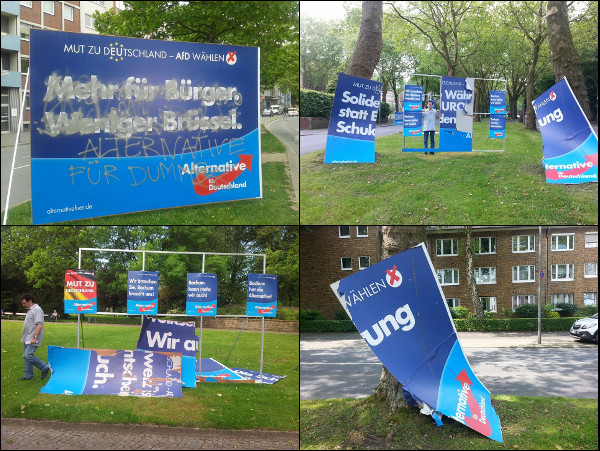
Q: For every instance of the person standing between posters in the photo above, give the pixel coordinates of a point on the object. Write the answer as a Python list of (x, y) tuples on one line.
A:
[(429, 116), (33, 333)]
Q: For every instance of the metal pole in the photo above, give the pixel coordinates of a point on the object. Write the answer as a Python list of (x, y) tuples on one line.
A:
[(200, 349), (540, 289), (79, 314), (262, 347)]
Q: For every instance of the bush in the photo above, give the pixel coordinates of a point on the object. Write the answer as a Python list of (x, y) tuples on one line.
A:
[(553, 315), (310, 315), (527, 311), (565, 310), (587, 310), (315, 103), (459, 312)]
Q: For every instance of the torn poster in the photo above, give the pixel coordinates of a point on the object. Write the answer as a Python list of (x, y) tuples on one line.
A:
[(398, 307), (456, 115)]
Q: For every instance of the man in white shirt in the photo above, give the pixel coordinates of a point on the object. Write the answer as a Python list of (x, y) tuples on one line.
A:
[(33, 333), (429, 116)]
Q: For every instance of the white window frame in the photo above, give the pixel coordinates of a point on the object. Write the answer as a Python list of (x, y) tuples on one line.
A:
[(585, 272), (359, 235), (493, 304), (522, 299), (359, 262), (46, 6), (340, 232), (554, 272), (453, 302), (516, 242), (72, 11), (591, 243), (342, 264), (555, 301), (594, 296), (571, 241), (530, 270), (453, 247), (455, 274), (491, 239), (478, 272)]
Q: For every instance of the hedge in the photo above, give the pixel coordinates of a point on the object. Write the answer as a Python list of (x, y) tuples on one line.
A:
[(315, 103), (462, 325)]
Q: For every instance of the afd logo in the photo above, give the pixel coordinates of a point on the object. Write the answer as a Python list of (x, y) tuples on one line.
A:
[(555, 116), (402, 317)]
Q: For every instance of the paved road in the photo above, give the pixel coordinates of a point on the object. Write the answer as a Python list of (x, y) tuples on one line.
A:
[(287, 131), (31, 434), (343, 366)]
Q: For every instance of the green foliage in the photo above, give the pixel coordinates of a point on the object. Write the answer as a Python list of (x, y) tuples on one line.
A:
[(310, 315), (553, 315), (385, 110), (315, 103), (565, 310), (459, 312), (527, 311), (587, 310), (327, 326)]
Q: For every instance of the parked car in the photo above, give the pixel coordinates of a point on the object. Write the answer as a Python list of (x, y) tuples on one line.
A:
[(267, 112), (586, 328), (292, 112), (275, 109)]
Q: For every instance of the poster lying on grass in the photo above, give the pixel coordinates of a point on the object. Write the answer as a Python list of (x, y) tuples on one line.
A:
[(570, 144), (80, 291), (121, 125), (113, 372), (351, 134), (168, 336), (262, 295), (399, 309)]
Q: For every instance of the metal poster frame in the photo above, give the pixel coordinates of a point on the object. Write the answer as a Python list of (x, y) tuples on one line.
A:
[(485, 79)]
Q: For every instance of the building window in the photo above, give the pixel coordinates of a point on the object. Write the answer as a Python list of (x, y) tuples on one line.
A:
[(563, 242), (364, 262), (453, 302), (485, 275), (344, 231), (523, 273), (488, 303), (346, 263), (68, 12), (591, 239), (89, 21), (48, 7), (486, 245), (562, 272), (25, 31), (590, 298), (562, 298), (523, 243), (591, 270), (446, 248), (448, 276), (362, 231), (522, 299)]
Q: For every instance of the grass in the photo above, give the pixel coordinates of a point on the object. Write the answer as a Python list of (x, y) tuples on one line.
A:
[(209, 405), (527, 423), (276, 207), (445, 188)]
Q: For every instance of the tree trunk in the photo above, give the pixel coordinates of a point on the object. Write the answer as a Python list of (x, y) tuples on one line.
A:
[(477, 307), (563, 54), (395, 239), (366, 54)]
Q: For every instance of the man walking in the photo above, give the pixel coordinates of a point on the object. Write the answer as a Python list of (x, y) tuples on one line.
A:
[(33, 333), (429, 116)]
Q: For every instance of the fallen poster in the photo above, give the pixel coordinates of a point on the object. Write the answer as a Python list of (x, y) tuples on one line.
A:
[(398, 307), (351, 134), (113, 372), (570, 144), (456, 115), (201, 299), (120, 124), (262, 295), (142, 292), (80, 291), (213, 371), (256, 376)]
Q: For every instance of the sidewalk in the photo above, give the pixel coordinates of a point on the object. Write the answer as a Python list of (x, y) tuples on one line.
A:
[(33, 434)]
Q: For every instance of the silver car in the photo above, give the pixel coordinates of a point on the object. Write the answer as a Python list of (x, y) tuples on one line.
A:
[(586, 328)]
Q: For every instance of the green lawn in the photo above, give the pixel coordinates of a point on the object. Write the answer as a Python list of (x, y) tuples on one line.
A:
[(527, 423), (445, 188), (209, 405)]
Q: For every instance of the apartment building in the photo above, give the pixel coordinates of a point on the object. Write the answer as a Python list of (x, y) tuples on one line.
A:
[(506, 264)]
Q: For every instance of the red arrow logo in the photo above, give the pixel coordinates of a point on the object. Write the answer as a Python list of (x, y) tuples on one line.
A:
[(203, 183), (266, 309), (148, 307), (81, 308), (477, 420), (206, 309), (590, 161)]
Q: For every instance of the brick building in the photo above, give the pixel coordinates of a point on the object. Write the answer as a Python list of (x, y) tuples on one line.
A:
[(506, 265)]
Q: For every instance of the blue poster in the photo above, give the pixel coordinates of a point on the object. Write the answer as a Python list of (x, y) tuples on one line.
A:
[(498, 102), (351, 134), (570, 144), (201, 297), (398, 118), (413, 104), (262, 295), (456, 115), (168, 336), (142, 293), (398, 307), (122, 124), (80, 291), (497, 114)]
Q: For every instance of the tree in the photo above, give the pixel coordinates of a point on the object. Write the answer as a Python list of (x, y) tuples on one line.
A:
[(394, 239), (366, 54), (471, 282), (563, 54)]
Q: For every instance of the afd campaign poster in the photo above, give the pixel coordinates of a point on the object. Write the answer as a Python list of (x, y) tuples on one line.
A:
[(120, 125), (80, 291), (497, 114), (456, 115), (413, 104), (351, 134), (570, 144), (142, 292), (201, 299), (399, 309), (113, 372), (262, 295), (168, 336)]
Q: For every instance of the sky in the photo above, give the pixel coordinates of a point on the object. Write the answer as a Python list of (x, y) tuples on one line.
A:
[(324, 10)]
